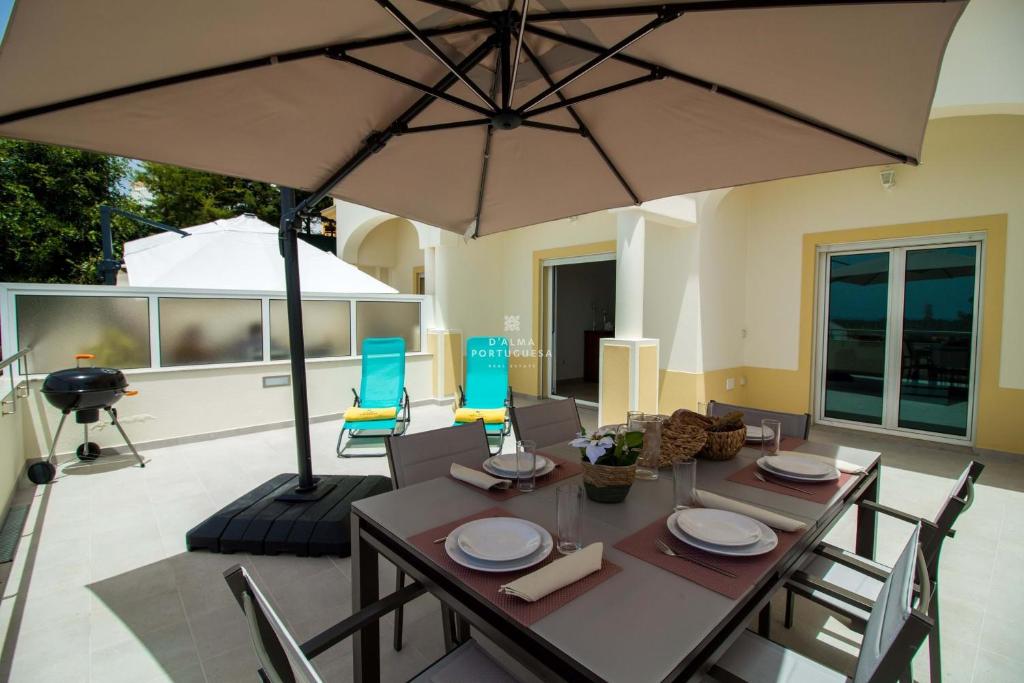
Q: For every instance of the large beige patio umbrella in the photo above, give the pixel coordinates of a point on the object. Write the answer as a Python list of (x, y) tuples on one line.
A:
[(479, 116)]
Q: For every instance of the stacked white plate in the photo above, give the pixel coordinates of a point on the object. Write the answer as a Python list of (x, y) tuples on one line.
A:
[(798, 467), (499, 544), (722, 532), (759, 434), (504, 466)]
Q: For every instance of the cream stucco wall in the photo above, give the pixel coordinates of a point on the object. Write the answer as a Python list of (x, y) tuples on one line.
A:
[(971, 166), (393, 246)]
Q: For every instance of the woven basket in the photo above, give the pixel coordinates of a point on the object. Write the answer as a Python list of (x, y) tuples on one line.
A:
[(607, 483), (723, 445), (680, 442)]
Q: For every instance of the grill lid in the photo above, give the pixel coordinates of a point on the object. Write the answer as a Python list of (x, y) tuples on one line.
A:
[(77, 380)]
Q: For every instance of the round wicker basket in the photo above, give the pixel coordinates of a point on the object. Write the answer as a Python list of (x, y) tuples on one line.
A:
[(723, 445), (681, 442)]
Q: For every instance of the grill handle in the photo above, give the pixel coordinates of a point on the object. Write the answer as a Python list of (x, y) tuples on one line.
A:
[(79, 357)]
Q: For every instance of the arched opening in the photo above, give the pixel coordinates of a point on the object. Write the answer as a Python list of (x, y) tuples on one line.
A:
[(390, 251)]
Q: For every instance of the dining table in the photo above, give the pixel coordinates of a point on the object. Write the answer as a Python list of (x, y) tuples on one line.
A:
[(642, 623)]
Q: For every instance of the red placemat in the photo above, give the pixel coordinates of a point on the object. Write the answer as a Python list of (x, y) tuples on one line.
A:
[(486, 585), (818, 492), (747, 569), (563, 470)]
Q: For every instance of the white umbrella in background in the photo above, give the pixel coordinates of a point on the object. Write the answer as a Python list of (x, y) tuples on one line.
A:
[(240, 253)]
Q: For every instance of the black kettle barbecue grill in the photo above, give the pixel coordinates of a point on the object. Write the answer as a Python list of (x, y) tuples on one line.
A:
[(84, 391)]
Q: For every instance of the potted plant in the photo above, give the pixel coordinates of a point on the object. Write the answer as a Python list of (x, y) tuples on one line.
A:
[(609, 462)]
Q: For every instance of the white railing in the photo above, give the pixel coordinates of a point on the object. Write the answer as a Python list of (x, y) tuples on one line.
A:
[(61, 327)]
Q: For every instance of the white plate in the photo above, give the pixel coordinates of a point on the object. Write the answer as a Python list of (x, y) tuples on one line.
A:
[(766, 464), (497, 539), (506, 462), (544, 466), (547, 544), (755, 433), (799, 465), (719, 527), (766, 544)]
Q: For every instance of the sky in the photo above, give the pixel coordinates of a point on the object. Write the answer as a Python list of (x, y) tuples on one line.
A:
[(5, 12)]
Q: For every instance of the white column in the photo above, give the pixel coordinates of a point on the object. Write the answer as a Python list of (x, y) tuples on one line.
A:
[(629, 275)]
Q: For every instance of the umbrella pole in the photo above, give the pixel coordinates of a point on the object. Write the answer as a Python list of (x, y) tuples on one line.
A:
[(290, 251)]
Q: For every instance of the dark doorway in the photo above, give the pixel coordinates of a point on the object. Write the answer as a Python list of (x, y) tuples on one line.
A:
[(583, 312)]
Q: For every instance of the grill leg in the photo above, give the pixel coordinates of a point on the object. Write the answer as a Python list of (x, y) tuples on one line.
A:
[(113, 419), (56, 436)]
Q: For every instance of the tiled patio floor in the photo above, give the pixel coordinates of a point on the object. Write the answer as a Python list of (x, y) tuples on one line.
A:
[(102, 588)]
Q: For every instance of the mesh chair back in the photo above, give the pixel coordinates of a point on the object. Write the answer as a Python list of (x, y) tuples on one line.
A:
[(548, 423), (428, 455), (383, 372), (486, 372), (793, 424), (895, 630), (960, 499), (280, 656)]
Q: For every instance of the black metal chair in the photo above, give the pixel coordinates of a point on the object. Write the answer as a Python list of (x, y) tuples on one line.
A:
[(793, 424), (547, 423), (895, 630), (418, 457), (283, 660), (849, 585)]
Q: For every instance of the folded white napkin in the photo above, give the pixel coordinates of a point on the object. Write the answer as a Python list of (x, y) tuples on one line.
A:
[(558, 574), (841, 465), (772, 519), (477, 478)]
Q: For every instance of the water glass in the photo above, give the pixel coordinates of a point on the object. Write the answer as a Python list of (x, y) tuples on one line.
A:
[(702, 408), (771, 436), (526, 465), (650, 453), (569, 517), (632, 417), (684, 482)]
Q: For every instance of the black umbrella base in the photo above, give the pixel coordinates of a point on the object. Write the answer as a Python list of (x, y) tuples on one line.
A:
[(270, 521)]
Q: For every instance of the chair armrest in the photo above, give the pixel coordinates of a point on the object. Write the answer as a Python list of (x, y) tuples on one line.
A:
[(508, 398), (356, 394), (851, 560), (806, 582), (462, 397), (900, 515)]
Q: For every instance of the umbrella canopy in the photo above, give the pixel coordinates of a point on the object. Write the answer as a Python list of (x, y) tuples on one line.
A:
[(480, 116), (240, 253)]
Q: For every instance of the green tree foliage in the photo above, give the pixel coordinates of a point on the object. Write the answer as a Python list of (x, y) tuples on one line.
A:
[(182, 197), (49, 211)]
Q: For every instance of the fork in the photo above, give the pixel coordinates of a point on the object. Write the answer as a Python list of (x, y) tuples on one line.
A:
[(761, 477), (665, 549)]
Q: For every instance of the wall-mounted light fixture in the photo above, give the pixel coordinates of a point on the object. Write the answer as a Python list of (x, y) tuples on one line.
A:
[(888, 176)]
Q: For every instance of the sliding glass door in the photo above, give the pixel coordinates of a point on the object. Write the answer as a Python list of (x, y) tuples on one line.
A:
[(898, 337)]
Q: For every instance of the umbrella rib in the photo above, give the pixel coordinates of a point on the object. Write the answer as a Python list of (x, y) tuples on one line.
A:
[(226, 69), (484, 165), (586, 132), (422, 87), (378, 139), (438, 54), (519, 52), (554, 127), (459, 7), (709, 6), (731, 93), (568, 101), (444, 126), (603, 55)]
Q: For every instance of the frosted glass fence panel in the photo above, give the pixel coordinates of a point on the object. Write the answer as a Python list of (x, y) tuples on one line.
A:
[(204, 331), (326, 328), (115, 329), (389, 319)]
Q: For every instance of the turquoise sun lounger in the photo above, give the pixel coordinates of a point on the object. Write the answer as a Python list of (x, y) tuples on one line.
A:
[(487, 384), (382, 385)]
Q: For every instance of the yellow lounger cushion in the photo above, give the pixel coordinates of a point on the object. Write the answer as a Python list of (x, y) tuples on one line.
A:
[(355, 414), (491, 416)]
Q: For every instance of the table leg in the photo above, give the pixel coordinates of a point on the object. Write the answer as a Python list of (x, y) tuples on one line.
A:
[(867, 520), (365, 591)]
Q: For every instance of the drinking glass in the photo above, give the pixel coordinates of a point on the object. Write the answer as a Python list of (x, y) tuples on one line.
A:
[(771, 436), (650, 453), (632, 417), (526, 465), (684, 481), (569, 517), (702, 408)]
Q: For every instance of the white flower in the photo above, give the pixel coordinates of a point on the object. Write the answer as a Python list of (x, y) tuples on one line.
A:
[(595, 447)]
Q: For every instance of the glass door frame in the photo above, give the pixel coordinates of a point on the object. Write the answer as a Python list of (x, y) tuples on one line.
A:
[(897, 249)]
